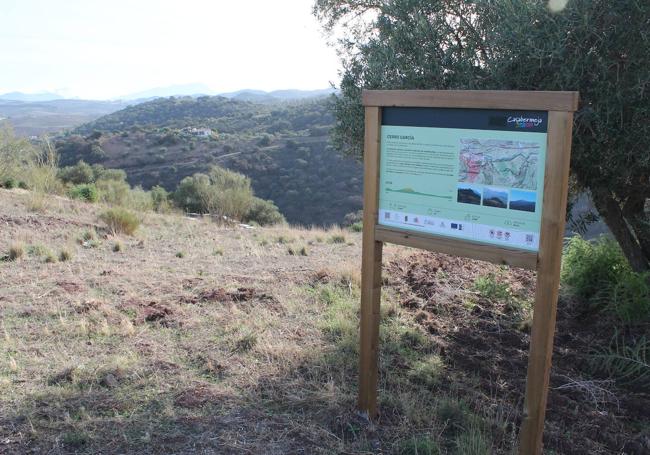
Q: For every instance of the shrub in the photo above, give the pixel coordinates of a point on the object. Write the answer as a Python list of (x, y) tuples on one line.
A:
[(160, 199), (220, 192), (629, 298), (80, 173), (590, 267), (118, 246), (302, 251), (113, 192), (41, 175), (120, 220), (9, 183), (598, 271), (16, 251), (139, 200), (180, 254), (625, 360), (264, 141), (488, 287), (65, 255), (283, 239), (353, 218), (50, 257), (85, 192), (87, 235), (357, 227), (337, 238), (264, 213)]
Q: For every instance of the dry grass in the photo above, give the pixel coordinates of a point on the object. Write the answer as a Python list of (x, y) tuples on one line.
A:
[(116, 352), (235, 347)]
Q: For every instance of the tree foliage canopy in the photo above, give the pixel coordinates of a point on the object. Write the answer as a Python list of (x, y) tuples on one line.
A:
[(597, 47)]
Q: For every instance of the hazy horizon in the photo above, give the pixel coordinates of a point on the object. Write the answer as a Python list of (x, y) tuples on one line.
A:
[(92, 50)]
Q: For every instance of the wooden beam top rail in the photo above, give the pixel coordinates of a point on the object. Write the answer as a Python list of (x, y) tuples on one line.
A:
[(474, 99)]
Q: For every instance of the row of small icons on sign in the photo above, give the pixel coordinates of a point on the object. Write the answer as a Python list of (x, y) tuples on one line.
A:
[(418, 220)]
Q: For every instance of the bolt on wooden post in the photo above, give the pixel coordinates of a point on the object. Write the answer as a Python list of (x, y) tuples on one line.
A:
[(476, 174)]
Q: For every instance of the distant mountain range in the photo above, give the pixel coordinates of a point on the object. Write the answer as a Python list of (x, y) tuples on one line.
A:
[(523, 205), (172, 90), (259, 96), (256, 96), (35, 118), (30, 97), (195, 90)]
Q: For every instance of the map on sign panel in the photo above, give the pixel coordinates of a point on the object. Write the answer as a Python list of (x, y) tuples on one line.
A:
[(496, 162)]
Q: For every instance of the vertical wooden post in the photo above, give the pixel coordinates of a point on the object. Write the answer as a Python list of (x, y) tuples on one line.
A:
[(370, 269), (548, 280)]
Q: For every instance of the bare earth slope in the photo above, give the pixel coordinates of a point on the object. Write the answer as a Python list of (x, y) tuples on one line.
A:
[(195, 338)]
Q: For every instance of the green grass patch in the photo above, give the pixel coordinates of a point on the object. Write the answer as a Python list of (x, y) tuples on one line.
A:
[(489, 287), (473, 441), (419, 445)]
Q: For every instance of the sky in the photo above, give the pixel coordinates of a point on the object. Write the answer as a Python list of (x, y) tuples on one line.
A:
[(98, 49)]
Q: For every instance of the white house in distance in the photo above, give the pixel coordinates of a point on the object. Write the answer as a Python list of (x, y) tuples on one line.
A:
[(200, 132)]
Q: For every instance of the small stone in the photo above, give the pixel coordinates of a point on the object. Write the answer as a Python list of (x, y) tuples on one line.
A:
[(110, 381)]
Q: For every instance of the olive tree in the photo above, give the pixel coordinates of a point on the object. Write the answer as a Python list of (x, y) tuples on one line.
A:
[(597, 47)]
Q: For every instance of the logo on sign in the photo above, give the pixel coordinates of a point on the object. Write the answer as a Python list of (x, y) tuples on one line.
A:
[(524, 122)]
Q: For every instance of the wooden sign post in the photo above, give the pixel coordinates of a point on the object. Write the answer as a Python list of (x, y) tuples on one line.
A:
[(477, 174)]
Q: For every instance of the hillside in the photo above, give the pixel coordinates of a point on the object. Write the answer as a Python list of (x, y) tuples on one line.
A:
[(196, 338), (283, 147)]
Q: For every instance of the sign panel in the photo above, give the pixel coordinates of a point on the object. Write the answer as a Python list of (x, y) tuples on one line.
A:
[(472, 174)]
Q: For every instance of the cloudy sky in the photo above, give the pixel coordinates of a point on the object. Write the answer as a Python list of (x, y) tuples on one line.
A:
[(105, 49)]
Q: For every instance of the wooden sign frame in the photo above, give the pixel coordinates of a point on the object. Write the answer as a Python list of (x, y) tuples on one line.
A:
[(560, 107)]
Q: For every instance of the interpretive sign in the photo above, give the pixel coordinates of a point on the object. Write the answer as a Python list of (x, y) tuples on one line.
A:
[(478, 174), (471, 174)]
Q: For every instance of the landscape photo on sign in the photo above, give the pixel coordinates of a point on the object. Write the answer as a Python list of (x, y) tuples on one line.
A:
[(469, 194), (494, 197), (523, 200)]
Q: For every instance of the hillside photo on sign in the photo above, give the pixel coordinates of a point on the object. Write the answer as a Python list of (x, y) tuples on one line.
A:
[(477, 174)]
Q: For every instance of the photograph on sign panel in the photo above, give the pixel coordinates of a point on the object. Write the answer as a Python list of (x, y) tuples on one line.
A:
[(524, 201), (494, 197), (469, 194)]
